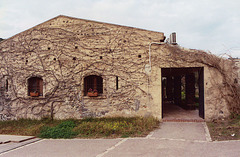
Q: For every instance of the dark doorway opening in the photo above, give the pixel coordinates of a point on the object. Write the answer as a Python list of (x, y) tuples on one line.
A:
[(182, 93)]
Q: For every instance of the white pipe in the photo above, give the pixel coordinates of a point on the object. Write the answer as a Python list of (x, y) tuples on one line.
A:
[(150, 63)]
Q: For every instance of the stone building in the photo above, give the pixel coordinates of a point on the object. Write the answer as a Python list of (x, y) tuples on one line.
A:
[(74, 68), (237, 63)]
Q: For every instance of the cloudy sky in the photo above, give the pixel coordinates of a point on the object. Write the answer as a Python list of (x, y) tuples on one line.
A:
[(211, 25)]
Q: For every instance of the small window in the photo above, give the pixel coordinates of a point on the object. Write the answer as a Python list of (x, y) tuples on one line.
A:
[(6, 85), (116, 82), (235, 80), (35, 86), (93, 82)]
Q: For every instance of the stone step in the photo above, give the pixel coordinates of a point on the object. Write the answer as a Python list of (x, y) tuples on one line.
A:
[(183, 120)]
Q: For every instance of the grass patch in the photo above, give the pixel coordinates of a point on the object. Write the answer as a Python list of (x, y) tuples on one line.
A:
[(116, 127), (62, 130), (85, 128), (225, 129), (28, 127)]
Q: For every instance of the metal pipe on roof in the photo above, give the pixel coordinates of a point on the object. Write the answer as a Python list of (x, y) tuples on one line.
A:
[(150, 63)]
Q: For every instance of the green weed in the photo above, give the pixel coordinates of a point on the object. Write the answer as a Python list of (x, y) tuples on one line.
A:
[(62, 130)]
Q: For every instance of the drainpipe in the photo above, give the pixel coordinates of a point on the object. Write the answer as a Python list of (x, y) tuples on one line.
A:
[(150, 63), (149, 67)]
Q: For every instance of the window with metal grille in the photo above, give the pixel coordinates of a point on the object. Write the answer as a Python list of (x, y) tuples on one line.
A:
[(35, 85), (93, 82)]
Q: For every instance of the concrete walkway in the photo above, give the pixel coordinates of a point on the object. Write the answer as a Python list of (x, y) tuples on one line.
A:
[(14, 138), (15, 142), (182, 131), (171, 139)]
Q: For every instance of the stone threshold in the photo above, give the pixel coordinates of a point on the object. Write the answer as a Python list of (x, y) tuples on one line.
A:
[(183, 120)]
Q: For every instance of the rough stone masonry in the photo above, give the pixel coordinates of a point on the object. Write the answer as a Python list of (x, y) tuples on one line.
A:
[(61, 58)]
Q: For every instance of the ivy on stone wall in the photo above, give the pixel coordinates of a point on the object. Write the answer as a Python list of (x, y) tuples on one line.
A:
[(64, 51)]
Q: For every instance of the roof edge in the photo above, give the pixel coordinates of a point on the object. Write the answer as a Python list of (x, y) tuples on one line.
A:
[(30, 28), (107, 23), (64, 16)]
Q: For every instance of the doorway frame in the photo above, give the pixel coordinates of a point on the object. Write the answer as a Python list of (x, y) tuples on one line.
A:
[(200, 82)]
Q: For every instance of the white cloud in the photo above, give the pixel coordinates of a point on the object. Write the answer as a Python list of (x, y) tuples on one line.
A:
[(200, 24)]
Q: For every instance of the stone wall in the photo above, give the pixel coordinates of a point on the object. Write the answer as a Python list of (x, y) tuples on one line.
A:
[(217, 72), (237, 63), (64, 50)]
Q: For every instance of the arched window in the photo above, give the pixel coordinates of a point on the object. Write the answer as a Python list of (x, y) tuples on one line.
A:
[(35, 85), (93, 82)]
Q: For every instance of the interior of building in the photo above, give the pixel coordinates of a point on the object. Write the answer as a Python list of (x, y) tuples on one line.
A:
[(182, 93)]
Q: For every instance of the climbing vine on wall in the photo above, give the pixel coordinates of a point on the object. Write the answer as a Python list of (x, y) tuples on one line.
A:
[(228, 89), (63, 54), (62, 57)]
